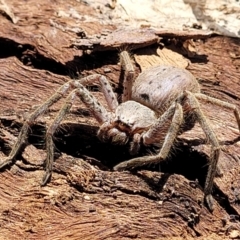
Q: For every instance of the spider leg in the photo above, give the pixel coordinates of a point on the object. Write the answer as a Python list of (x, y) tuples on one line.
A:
[(175, 115), (135, 144), (105, 86), (49, 136), (222, 104), (128, 75), (101, 116), (215, 149), (31, 118), (90, 101)]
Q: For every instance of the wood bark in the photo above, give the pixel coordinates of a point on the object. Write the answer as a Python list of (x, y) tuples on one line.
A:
[(85, 198)]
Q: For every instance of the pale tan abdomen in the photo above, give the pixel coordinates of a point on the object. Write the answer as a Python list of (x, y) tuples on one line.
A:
[(159, 86)]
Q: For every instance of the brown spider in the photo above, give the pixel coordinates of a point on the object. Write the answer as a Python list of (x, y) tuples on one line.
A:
[(156, 107)]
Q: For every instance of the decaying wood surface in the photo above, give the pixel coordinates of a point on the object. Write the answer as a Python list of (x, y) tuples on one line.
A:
[(85, 198)]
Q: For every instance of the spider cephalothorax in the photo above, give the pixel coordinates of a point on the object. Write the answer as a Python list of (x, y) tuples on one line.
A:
[(130, 118), (160, 104)]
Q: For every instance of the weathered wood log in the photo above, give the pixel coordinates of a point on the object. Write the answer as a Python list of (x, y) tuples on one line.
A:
[(85, 198)]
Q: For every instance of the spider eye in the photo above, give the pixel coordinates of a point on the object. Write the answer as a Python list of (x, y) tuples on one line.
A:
[(122, 126)]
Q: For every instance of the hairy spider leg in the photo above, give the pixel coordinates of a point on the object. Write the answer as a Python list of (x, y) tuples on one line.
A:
[(91, 103), (173, 114), (215, 148), (172, 132), (128, 71), (221, 104), (96, 78), (31, 118)]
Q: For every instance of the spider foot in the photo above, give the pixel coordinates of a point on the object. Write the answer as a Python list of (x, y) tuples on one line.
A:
[(209, 202), (219, 172), (138, 162), (46, 178), (122, 166), (7, 161)]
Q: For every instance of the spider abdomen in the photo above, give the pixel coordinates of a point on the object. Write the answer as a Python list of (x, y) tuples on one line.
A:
[(158, 86)]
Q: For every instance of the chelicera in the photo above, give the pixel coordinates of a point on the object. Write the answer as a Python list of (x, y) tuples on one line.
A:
[(160, 104)]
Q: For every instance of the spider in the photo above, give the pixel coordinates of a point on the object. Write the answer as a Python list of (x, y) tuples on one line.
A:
[(160, 104)]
